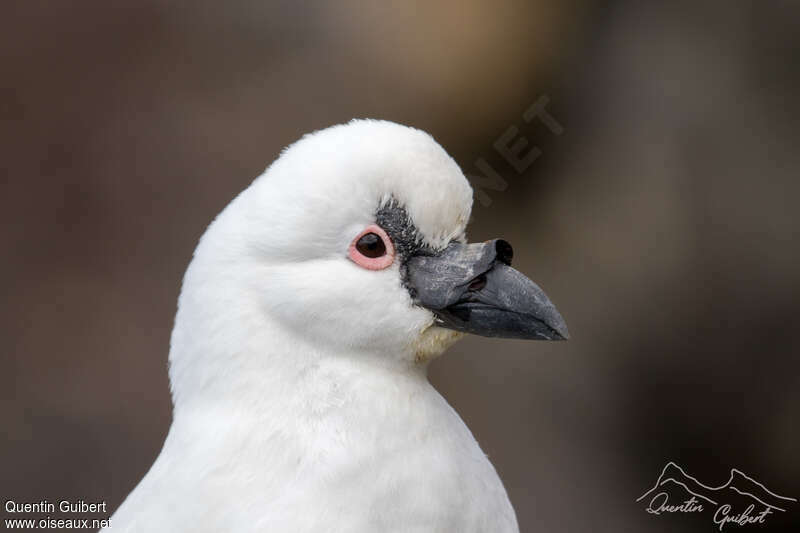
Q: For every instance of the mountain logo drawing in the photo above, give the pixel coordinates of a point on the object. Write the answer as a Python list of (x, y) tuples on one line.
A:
[(740, 501)]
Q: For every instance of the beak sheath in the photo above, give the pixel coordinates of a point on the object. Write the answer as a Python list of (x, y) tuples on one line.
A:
[(472, 288)]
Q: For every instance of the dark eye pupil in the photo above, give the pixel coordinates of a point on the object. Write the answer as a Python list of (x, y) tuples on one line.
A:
[(371, 245)]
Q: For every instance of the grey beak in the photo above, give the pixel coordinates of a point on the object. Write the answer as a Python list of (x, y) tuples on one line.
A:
[(472, 288)]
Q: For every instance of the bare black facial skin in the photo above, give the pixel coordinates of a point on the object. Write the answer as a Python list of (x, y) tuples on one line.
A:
[(396, 222)]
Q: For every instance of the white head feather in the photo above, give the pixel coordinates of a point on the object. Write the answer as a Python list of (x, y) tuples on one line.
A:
[(271, 280)]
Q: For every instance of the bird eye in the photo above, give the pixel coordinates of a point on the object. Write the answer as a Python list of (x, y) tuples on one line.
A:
[(371, 245), (372, 248)]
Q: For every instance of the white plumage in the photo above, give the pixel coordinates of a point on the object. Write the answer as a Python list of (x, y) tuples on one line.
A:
[(301, 402)]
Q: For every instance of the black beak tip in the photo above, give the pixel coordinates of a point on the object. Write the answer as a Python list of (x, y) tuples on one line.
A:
[(554, 330), (561, 332)]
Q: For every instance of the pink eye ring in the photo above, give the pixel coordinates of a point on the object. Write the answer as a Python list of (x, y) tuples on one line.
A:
[(372, 248)]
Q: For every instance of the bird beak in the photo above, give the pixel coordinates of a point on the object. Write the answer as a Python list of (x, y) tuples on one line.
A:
[(472, 288)]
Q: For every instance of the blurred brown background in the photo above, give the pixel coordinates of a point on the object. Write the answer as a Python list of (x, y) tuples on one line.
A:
[(663, 222)]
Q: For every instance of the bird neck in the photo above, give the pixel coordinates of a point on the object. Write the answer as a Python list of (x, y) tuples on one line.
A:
[(245, 362)]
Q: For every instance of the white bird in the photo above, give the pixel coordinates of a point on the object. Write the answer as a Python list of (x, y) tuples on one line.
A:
[(307, 317)]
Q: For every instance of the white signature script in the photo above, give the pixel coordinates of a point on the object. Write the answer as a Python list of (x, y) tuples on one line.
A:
[(674, 484)]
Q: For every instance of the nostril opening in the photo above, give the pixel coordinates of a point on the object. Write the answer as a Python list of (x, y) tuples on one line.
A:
[(504, 251), (477, 283)]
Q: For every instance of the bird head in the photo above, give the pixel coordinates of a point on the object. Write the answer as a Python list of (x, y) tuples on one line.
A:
[(354, 240)]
